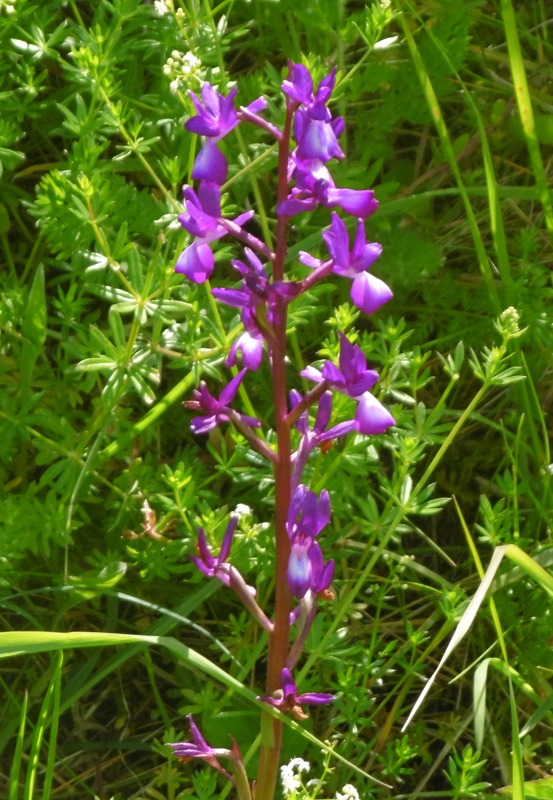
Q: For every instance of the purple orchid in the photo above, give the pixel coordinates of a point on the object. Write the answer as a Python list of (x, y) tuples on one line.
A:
[(262, 294), (249, 344), (288, 699), (352, 377), (317, 139), (199, 748), (216, 114), (371, 416), (307, 516), (299, 87), (217, 410), (210, 165), (257, 288), (202, 218), (314, 185), (218, 567), (215, 567), (367, 292), (316, 436)]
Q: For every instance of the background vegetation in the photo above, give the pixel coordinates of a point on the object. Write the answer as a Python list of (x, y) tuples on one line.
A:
[(448, 108)]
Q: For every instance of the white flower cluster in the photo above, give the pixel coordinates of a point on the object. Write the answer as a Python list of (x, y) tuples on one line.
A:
[(349, 792), (290, 775), (181, 67), (163, 7)]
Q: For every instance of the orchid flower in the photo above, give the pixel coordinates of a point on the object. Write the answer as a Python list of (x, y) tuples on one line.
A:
[(288, 699)]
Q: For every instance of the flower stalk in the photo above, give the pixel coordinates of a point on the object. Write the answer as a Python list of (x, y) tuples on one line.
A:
[(302, 575)]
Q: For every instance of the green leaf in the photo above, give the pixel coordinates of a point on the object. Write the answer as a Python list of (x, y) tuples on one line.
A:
[(34, 327), (533, 790)]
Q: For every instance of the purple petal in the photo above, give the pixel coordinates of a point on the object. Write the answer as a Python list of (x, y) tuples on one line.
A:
[(256, 105), (336, 431), (210, 165), (209, 195), (289, 688), (205, 553), (337, 240), (323, 511), (318, 141), (299, 84), (227, 540), (196, 262), (232, 297), (251, 348), (211, 99), (326, 577), (363, 383), (200, 425), (229, 392), (312, 374), (369, 293), (309, 260), (315, 698), (197, 736), (253, 422), (202, 567), (371, 417), (324, 411), (243, 218), (332, 374), (299, 572), (358, 202), (317, 563), (296, 503), (294, 205)]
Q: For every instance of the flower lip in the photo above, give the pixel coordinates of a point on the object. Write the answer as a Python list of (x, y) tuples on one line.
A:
[(216, 115), (199, 748), (288, 699), (217, 410)]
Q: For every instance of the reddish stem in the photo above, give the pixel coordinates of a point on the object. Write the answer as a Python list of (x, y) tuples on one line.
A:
[(269, 757)]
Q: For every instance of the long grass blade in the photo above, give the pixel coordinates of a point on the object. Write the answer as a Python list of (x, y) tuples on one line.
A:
[(15, 643), (40, 728), (54, 725), (15, 770), (524, 103)]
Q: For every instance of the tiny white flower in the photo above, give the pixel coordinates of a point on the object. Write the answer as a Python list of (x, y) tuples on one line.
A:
[(384, 43), (191, 60), (161, 7), (174, 86), (349, 792), (299, 765), (290, 782), (241, 510)]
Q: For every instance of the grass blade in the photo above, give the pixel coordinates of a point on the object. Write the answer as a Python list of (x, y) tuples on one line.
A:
[(54, 724), (16, 763), (524, 103)]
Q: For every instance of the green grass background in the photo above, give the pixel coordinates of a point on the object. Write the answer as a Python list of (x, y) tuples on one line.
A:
[(448, 118)]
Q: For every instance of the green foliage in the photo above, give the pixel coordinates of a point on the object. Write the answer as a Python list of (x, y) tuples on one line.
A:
[(101, 343)]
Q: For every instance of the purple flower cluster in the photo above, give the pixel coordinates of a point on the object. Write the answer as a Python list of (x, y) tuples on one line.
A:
[(263, 295)]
